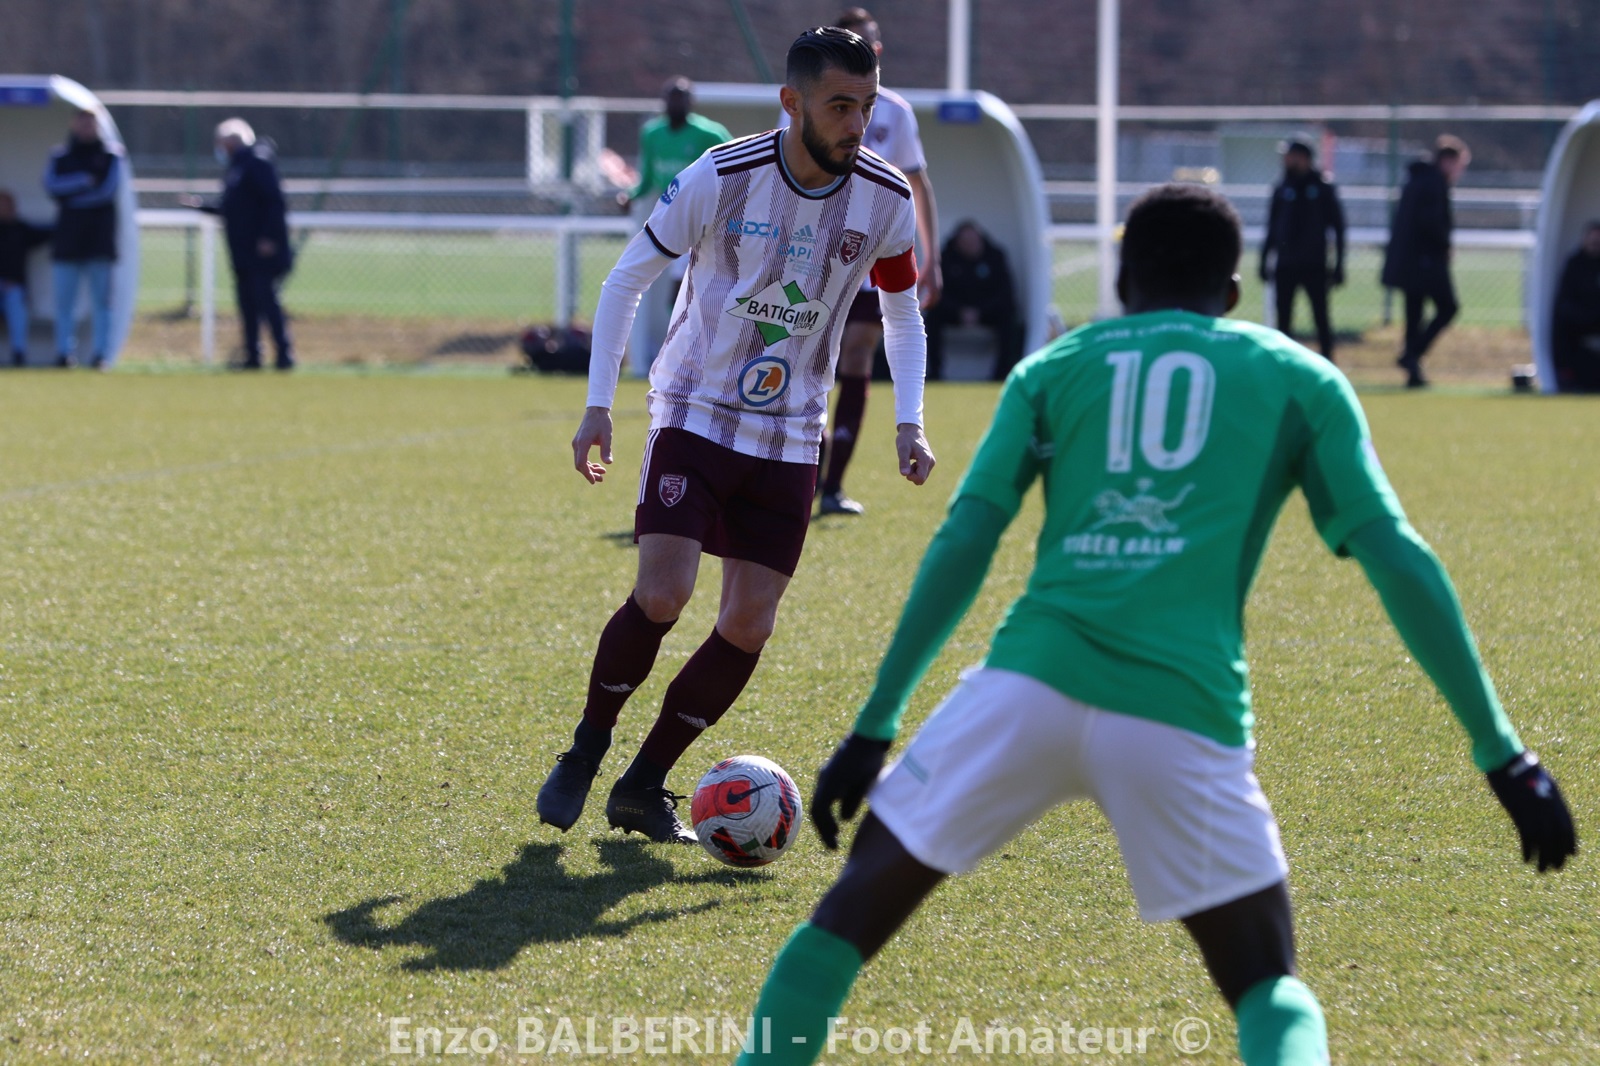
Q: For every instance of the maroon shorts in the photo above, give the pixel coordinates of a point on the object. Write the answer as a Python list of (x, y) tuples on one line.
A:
[(864, 308), (737, 506)]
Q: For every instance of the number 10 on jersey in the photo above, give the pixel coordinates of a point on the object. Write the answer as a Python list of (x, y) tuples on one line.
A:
[(1148, 422)]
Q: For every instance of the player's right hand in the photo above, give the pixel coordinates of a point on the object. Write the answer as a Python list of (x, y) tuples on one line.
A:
[(845, 780), (594, 431), (1529, 794)]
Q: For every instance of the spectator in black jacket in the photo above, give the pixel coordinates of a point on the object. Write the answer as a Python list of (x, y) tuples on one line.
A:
[(1575, 341), (1304, 210), (17, 239), (256, 220), (83, 176), (1417, 261), (977, 292)]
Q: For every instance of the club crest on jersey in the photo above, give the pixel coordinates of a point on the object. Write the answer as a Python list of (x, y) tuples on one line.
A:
[(782, 311), (851, 241), (672, 488), (763, 380)]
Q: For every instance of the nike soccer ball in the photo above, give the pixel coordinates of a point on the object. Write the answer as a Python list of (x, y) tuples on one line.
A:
[(746, 811)]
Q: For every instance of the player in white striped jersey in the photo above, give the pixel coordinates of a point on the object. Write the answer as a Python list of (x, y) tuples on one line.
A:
[(892, 134), (780, 229)]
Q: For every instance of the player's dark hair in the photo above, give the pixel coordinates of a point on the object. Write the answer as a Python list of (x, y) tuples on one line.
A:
[(823, 47), (1181, 244), (855, 18)]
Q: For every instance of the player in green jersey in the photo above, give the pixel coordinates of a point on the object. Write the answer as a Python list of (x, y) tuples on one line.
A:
[(668, 143), (672, 140), (1166, 441)]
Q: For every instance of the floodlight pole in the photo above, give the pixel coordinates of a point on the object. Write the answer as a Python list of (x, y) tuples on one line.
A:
[(958, 70), (1105, 213)]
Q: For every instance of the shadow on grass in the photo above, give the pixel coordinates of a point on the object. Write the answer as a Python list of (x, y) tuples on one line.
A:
[(474, 344), (534, 902), (622, 538)]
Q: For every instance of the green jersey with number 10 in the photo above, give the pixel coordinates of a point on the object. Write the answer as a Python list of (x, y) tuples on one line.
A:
[(1166, 444)]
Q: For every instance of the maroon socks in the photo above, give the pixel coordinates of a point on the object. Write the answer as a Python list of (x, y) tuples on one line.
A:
[(701, 693), (627, 651), (847, 416)]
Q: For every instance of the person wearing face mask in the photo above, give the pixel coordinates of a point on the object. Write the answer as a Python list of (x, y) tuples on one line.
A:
[(256, 220), (1417, 260)]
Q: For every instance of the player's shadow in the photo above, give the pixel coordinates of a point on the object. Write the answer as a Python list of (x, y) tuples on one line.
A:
[(534, 902)]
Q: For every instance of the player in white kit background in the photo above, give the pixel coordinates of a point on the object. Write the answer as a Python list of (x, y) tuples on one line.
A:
[(781, 230), (892, 134)]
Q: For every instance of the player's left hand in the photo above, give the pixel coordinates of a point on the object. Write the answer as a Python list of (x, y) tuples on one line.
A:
[(845, 780), (1529, 794), (916, 454)]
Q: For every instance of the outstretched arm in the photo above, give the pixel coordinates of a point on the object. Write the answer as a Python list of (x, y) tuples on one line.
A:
[(1417, 593), (948, 580), (1422, 603)]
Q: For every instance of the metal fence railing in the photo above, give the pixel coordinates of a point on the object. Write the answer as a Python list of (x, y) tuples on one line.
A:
[(497, 273)]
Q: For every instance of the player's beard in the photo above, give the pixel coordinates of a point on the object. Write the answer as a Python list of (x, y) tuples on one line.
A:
[(822, 153)]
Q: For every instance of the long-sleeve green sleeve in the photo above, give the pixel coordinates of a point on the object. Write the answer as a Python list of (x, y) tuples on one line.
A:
[(1417, 593), (948, 580)]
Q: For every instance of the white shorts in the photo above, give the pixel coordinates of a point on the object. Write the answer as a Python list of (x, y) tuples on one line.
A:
[(1190, 817)]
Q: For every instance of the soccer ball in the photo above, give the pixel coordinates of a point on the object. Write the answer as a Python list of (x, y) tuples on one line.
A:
[(746, 811)]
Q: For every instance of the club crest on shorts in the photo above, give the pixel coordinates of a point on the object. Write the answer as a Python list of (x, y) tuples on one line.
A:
[(672, 488), (763, 380), (851, 241)]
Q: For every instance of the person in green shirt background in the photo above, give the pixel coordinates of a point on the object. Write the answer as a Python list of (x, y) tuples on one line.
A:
[(1165, 441), (667, 143)]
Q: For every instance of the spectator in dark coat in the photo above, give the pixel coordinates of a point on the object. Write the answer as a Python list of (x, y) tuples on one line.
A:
[(1417, 261), (84, 176), (17, 239), (1304, 211), (977, 292), (1575, 341), (256, 220)]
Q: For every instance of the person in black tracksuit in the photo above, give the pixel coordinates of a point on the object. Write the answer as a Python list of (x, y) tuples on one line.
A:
[(256, 220), (1575, 340), (1305, 209), (1417, 260)]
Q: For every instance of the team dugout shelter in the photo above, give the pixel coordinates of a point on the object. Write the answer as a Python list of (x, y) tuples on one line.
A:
[(1571, 198), (34, 111)]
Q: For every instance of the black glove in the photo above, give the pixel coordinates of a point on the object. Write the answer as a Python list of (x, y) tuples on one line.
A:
[(845, 780), (1529, 794), (1266, 275), (1337, 278)]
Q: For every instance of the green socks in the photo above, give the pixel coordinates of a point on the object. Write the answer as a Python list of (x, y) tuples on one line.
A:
[(1280, 1024), (807, 986)]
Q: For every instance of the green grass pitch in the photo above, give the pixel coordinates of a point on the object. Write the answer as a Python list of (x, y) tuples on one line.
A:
[(283, 662)]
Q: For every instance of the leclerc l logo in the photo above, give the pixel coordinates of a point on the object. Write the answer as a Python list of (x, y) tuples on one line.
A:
[(763, 380)]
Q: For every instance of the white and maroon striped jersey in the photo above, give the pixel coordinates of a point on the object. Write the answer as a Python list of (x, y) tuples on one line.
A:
[(754, 337)]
